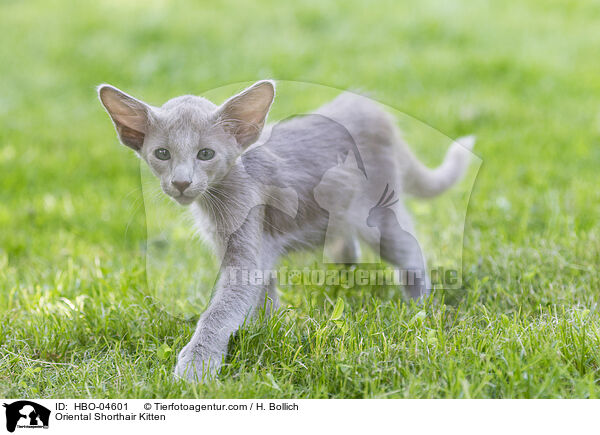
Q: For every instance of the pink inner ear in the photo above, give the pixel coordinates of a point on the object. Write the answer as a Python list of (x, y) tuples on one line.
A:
[(130, 137), (124, 109), (129, 115), (244, 114), (133, 120)]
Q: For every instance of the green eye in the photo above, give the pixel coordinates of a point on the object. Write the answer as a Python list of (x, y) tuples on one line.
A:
[(206, 154), (162, 154)]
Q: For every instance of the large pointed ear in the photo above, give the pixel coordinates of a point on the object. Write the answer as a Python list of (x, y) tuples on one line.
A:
[(129, 115), (244, 114)]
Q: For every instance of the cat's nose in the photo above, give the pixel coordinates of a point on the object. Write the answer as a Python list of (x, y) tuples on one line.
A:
[(181, 185)]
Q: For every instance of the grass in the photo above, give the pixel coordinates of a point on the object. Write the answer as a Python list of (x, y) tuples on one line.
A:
[(78, 316)]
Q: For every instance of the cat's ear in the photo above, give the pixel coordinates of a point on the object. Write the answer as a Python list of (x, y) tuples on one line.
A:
[(129, 115), (244, 114)]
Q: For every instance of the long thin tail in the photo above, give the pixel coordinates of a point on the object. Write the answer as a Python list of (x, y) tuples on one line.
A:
[(424, 182)]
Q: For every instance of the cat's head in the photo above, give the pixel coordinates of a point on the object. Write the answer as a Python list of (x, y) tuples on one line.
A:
[(189, 143)]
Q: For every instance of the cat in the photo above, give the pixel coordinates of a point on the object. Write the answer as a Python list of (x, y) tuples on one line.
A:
[(250, 187)]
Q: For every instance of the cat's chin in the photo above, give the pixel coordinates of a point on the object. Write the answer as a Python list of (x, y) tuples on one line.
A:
[(184, 200)]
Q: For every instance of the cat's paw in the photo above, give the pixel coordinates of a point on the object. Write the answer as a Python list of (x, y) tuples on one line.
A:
[(194, 366)]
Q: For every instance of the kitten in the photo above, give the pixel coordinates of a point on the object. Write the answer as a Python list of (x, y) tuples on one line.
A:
[(260, 191)]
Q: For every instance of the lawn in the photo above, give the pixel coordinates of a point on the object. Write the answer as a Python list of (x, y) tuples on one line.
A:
[(79, 316)]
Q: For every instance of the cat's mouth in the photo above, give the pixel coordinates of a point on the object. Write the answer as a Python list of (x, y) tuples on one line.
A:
[(184, 199)]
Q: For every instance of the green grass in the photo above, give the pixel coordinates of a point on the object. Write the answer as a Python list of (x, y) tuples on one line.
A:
[(78, 316)]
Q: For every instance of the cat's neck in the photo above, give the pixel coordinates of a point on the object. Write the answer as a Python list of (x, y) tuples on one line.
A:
[(225, 204)]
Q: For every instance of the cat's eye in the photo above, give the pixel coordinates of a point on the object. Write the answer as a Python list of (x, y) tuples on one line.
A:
[(162, 154), (206, 154)]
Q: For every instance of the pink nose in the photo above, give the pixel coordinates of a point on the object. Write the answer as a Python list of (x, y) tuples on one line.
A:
[(181, 185)]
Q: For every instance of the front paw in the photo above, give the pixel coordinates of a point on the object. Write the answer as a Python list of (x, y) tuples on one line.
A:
[(195, 365)]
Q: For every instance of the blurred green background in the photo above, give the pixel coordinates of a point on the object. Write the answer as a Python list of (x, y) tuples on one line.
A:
[(76, 318)]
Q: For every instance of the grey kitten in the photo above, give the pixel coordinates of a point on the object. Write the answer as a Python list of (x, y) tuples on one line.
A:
[(258, 192)]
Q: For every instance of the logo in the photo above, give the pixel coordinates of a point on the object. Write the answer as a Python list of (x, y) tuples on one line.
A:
[(26, 414)]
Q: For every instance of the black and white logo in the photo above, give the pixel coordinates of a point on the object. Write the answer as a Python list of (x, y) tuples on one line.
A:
[(24, 414)]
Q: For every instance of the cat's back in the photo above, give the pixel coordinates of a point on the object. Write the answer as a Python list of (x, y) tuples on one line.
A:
[(365, 120), (348, 119), (303, 148)]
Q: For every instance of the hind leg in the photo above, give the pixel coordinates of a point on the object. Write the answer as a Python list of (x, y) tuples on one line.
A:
[(397, 245), (350, 250), (402, 249), (268, 298), (342, 250), (341, 245)]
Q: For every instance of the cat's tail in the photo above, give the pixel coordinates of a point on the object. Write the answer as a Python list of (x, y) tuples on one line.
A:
[(424, 182)]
